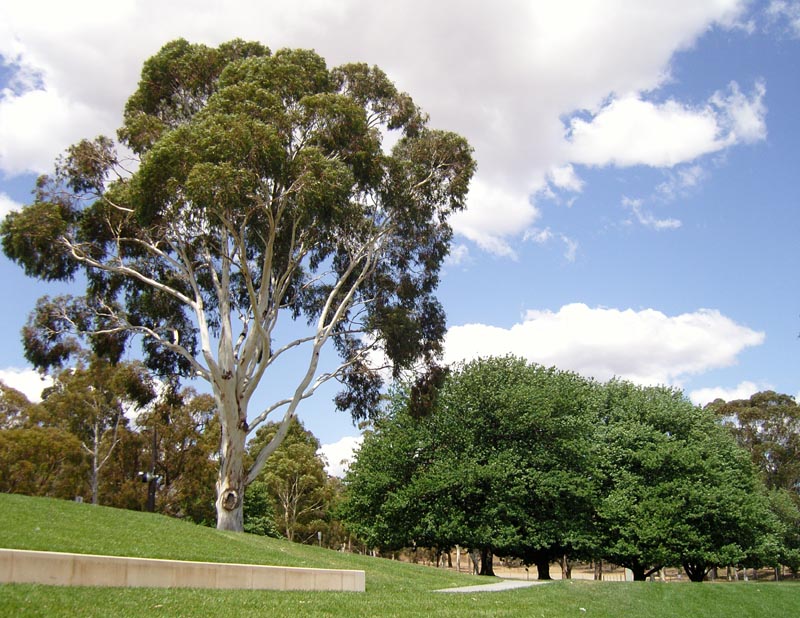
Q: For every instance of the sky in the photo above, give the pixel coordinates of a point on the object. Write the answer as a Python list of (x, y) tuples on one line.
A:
[(635, 211)]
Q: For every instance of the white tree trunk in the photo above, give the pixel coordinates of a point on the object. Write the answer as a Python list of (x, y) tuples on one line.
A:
[(230, 480), (95, 467)]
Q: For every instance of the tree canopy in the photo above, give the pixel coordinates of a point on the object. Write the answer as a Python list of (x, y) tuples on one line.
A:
[(502, 464), (259, 188), (540, 464), (677, 488)]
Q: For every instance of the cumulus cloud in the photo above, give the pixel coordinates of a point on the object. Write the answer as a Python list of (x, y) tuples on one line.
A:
[(492, 214), (743, 390), (27, 381), (504, 74), (339, 455), (633, 131), (33, 122), (565, 177), (645, 346), (630, 131), (742, 117)]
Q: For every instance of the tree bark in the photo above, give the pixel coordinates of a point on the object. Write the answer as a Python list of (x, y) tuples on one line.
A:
[(639, 573), (95, 467), (487, 562), (566, 567), (475, 556), (695, 571), (230, 480), (543, 568)]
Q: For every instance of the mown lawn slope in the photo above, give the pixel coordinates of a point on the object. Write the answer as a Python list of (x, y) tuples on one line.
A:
[(393, 589)]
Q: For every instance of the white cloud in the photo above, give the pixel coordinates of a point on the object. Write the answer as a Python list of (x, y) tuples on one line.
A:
[(538, 236), (493, 214), (742, 117), (458, 255), (542, 237), (743, 390), (644, 346), (630, 131), (37, 124), (564, 177), (27, 381), (680, 181), (646, 218), (504, 73), (339, 455), (7, 205), (788, 11)]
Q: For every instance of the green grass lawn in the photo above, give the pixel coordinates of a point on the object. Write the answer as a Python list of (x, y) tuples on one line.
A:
[(393, 589)]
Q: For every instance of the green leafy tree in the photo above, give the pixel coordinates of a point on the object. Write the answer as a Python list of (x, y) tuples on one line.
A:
[(787, 511), (677, 488), (180, 440), (503, 464), (259, 513), (261, 189), (295, 481), (91, 402), (384, 466), (41, 461)]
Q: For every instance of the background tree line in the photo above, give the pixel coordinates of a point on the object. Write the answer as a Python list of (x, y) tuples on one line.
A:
[(100, 428), (518, 460)]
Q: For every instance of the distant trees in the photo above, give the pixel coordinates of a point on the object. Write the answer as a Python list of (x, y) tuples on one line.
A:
[(14, 407), (41, 461), (539, 464), (93, 401), (101, 426), (294, 485), (180, 438), (98, 427), (767, 425)]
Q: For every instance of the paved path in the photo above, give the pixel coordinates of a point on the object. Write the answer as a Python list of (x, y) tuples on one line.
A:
[(506, 584)]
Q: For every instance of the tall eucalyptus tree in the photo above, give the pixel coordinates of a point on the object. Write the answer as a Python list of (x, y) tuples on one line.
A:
[(259, 187)]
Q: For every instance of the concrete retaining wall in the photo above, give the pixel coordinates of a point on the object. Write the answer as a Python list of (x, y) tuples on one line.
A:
[(62, 569)]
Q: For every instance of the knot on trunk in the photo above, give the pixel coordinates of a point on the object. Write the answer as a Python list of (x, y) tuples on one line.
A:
[(230, 500)]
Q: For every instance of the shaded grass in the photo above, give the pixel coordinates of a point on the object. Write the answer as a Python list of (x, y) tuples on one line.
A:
[(393, 589)]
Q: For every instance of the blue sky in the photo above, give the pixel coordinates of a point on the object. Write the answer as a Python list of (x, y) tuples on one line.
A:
[(635, 212)]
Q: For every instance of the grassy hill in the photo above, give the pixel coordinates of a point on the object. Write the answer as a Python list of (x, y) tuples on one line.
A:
[(393, 589)]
